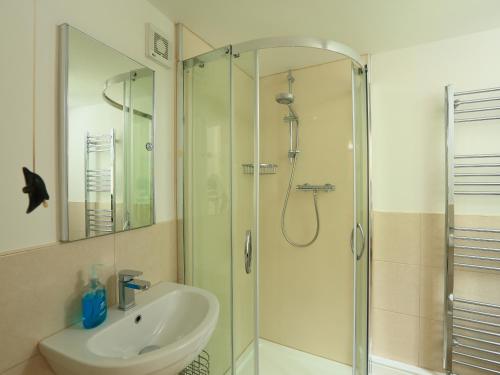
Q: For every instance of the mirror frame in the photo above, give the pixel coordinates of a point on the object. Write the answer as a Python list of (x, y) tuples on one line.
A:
[(63, 68)]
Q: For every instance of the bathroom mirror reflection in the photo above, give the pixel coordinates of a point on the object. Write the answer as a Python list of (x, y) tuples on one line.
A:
[(107, 106)]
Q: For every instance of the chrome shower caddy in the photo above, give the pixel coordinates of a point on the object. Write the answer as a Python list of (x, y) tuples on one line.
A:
[(200, 366), (264, 168), (471, 327)]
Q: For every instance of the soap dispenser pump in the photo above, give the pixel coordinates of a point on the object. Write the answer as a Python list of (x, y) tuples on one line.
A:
[(94, 304)]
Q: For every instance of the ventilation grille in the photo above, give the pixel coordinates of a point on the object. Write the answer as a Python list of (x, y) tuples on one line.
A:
[(160, 46), (157, 46)]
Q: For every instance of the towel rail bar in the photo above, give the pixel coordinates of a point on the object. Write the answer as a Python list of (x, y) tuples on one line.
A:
[(471, 328), (475, 366), (474, 266), (477, 91)]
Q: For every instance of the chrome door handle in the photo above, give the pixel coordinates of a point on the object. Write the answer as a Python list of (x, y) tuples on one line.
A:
[(360, 228), (248, 251)]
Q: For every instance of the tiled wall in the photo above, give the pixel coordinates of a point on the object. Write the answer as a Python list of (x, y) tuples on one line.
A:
[(408, 258), (41, 281), (408, 285), (409, 84), (40, 288), (306, 293)]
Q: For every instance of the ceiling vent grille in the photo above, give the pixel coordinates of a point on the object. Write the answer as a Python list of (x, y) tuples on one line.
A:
[(157, 46)]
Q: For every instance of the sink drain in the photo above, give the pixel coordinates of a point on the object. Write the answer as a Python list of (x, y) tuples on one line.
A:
[(148, 349)]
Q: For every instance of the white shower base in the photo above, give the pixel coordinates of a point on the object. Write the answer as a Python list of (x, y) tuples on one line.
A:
[(277, 359)]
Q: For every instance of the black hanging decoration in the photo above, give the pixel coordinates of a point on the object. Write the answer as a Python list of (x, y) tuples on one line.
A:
[(36, 190)]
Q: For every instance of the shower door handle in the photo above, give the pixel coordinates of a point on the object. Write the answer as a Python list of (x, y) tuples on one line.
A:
[(248, 251), (362, 232)]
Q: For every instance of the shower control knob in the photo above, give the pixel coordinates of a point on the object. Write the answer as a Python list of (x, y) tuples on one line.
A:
[(149, 146)]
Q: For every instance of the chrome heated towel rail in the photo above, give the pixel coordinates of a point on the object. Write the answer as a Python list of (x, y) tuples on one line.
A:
[(471, 327), (99, 216)]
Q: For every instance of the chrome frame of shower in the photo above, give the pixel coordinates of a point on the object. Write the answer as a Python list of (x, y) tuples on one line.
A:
[(369, 236), (179, 162), (137, 73), (307, 42), (257, 212), (236, 50)]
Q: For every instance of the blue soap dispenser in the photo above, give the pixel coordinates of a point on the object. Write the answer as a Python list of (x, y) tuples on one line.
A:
[(94, 304)]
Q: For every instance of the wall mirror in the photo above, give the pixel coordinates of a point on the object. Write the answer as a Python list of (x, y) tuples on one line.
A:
[(106, 158)]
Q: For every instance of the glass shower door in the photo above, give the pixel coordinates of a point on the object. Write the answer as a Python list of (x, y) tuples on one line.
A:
[(139, 137), (220, 202), (245, 182), (361, 222), (207, 192)]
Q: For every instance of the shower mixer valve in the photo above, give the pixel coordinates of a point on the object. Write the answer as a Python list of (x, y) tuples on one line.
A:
[(316, 188), (293, 153)]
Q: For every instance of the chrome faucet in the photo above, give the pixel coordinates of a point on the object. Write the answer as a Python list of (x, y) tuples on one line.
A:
[(127, 282)]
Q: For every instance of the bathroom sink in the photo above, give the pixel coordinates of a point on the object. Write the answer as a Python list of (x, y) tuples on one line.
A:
[(161, 335)]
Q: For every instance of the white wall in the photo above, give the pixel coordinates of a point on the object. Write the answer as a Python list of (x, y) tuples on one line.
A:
[(16, 18), (118, 23), (408, 116), (96, 119)]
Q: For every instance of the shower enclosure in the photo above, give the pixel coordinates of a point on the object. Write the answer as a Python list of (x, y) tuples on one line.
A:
[(279, 231)]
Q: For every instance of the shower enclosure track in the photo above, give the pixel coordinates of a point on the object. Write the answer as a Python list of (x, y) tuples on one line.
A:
[(471, 327)]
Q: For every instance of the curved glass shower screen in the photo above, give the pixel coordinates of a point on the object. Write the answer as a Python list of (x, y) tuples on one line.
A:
[(254, 115)]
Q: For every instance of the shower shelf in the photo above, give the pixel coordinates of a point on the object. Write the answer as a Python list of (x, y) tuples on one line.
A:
[(264, 168)]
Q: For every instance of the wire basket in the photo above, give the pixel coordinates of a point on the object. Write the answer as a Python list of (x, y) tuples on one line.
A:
[(200, 366), (264, 168)]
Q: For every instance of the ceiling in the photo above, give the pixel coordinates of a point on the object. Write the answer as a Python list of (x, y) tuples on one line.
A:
[(368, 26)]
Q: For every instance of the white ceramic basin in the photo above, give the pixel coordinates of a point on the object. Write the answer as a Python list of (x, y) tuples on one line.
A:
[(161, 335)]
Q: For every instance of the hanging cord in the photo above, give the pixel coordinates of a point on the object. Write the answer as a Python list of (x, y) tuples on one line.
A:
[(33, 94), (35, 186), (285, 206)]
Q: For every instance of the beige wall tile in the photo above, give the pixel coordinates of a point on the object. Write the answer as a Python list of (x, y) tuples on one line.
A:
[(151, 250), (432, 240), (42, 286), (477, 221), (431, 292), (396, 237), (306, 293), (431, 344), (395, 336), (389, 281), (33, 366), (480, 286), (42, 290), (464, 370), (396, 287), (165, 236)]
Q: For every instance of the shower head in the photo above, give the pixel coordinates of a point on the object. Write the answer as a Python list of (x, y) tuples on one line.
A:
[(285, 98)]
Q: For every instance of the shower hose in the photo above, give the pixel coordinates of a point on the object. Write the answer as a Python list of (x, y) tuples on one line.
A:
[(285, 205)]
